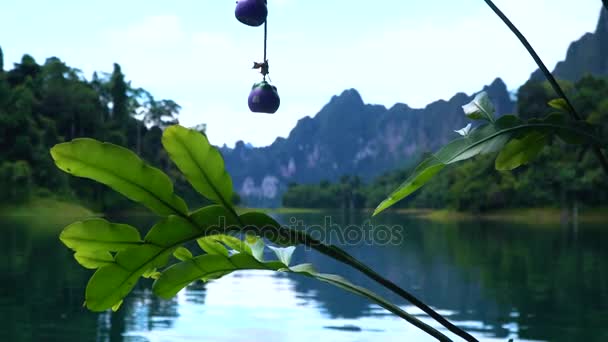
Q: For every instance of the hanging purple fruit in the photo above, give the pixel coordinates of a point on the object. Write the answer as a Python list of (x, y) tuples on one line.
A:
[(251, 12), (264, 98)]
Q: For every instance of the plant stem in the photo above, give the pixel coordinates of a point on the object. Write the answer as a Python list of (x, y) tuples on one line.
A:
[(556, 87), (340, 255), (385, 304)]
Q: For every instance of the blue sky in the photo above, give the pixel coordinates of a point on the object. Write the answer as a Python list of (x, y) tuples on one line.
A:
[(196, 53)]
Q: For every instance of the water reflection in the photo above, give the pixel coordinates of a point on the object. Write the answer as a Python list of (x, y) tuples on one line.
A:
[(498, 281)]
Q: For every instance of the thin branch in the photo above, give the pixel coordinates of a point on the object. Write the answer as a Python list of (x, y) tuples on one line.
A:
[(556, 87), (342, 256)]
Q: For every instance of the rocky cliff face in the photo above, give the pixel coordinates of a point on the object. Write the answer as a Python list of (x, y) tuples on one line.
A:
[(349, 137), (588, 55)]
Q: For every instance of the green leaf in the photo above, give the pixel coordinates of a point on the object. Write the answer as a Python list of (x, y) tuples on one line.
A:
[(521, 151), (150, 273), (559, 104), (99, 235), (421, 175), (113, 282), (256, 246), (233, 243), (212, 246), (484, 139), (94, 259), (117, 306), (303, 268), (121, 170), (201, 163), (216, 244), (481, 108), (208, 266), (182, 254)]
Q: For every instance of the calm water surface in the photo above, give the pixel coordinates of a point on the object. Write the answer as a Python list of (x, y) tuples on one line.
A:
[(530, 283)]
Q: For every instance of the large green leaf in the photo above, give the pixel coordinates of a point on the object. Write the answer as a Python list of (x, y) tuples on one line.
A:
[(216, 244), (99, 235), (201, 163), (94, 259), (182, 254), (212, 246), (111, 283), (521, 151), (484, 139), (121, 170)]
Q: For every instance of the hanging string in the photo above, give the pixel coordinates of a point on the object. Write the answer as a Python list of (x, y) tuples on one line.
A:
[(265, 38), (265, 67)]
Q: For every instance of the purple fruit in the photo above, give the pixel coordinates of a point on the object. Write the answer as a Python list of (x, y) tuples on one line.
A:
[(251, 12), (264, 98)]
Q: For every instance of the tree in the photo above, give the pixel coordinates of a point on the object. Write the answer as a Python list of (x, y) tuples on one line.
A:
[(118, 92), (42, 105), (161, 113), (1, 60), (15, 181), (102, 87), (27, 68)]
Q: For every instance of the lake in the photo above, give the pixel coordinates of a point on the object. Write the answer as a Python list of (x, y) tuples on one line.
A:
[(498, 281)]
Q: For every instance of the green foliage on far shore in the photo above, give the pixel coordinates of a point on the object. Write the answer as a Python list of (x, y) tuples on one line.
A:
[(44, 213), (45, 104)]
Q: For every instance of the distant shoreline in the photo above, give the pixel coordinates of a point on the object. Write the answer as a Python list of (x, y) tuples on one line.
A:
[(521, 215), (58, 210), (45, 212)]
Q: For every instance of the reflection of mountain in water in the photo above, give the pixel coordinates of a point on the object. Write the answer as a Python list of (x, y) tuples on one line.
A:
[(556, 280), (549, 283), (536, 277)]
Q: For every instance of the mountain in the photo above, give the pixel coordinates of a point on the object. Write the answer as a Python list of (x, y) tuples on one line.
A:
[(588, 55), (349, 137)]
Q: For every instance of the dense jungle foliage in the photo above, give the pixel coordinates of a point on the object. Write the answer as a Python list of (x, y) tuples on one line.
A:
[(45, 104)]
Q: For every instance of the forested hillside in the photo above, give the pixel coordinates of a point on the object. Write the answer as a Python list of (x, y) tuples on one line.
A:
[(44, 104)]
